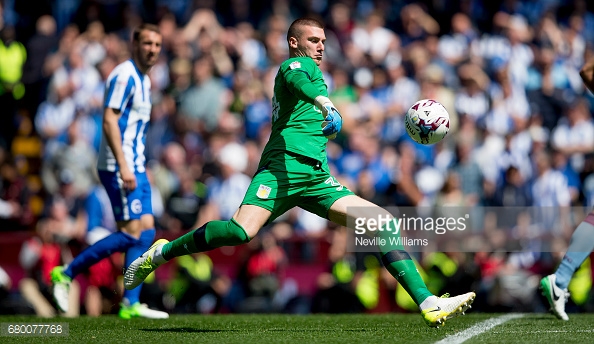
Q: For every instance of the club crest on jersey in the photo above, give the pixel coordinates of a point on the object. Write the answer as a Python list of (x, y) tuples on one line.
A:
[(295, 64), (136, 206), (263, 191)]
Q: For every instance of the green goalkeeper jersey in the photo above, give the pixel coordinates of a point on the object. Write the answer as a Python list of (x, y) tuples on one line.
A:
[(297, 123)]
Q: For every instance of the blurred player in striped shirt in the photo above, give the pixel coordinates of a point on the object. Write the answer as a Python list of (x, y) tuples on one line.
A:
[(121, 165)]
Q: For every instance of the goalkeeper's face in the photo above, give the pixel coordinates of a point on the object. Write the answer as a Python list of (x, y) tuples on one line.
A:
[(309, 43)]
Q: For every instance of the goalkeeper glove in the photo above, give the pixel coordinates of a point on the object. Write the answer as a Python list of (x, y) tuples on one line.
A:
[(332, 119)]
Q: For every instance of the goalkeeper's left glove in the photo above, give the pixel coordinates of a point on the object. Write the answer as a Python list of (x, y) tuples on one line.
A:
[(332, 119)]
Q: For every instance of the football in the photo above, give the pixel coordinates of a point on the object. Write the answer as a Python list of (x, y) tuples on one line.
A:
[(427, 121)]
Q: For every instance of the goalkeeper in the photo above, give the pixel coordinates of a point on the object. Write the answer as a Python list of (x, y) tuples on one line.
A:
[(293, 171)]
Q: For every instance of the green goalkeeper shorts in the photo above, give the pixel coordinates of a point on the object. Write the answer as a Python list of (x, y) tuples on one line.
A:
[(290, 180)]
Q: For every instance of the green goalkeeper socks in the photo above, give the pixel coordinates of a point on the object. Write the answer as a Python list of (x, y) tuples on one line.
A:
[(400, 265), (210, 236)]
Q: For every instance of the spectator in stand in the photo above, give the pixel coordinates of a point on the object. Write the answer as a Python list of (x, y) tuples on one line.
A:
[(550, 186), (225, 192), (166, 172), (261, 275), (341, 24), (184, 204), (9, 209), (545, 87), (514, 192), (471, 176), (181, 78), (41, 254), (417, 24), (75, 155), (455, 48), (13, 56), (38, 47), (366, 154), (200, 105), (196, 288), (431, 81), (403, 91), (55, 115), (336, 288), (560, 162), (509, 102), (472, 99), (574, 134), (551, 193), (373, 38), (161, 133), (15, 196), (10, 303), (82, 77)]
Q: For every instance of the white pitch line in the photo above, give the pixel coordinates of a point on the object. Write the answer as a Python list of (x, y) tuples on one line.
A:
[(477, 329)]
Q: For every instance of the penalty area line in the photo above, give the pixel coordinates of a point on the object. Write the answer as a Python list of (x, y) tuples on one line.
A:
[(477, 329)]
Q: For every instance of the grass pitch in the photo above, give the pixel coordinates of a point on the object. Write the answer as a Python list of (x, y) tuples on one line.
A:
[(359, 328)]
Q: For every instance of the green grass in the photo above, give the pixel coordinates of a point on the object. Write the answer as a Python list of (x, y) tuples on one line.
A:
[(385, 328)]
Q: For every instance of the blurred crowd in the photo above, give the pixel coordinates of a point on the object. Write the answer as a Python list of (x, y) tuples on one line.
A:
[(521, 135)]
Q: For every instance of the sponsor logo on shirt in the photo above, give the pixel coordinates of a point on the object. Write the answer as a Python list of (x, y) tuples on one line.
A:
[(295, 64)]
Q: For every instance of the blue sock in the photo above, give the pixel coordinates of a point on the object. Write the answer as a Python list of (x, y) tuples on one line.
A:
[(115, 242), (143, 244), (582, 243)]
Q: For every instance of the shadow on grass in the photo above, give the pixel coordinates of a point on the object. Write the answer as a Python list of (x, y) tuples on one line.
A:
[(184, 329), (540, 317), (315, 330), (198, 330)]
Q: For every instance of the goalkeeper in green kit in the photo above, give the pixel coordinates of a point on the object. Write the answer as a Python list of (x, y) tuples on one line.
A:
[(293, 171)]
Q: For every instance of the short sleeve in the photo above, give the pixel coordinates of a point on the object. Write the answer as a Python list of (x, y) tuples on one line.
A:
[(118, 91)]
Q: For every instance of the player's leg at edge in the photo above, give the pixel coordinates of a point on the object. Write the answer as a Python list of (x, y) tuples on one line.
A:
[(556, 297), (130, 307), (554, 287), (61, 276), (60, 288)]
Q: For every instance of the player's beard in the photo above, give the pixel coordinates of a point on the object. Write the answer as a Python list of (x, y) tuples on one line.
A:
[(144, 61)]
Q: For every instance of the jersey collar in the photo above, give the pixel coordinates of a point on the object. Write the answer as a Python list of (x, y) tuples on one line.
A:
[(140, 74)]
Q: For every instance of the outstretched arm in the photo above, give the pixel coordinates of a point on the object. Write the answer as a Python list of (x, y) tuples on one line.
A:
[(587, 74)]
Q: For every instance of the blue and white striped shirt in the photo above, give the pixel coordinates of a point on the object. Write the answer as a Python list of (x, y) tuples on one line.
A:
[(127, 90)]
